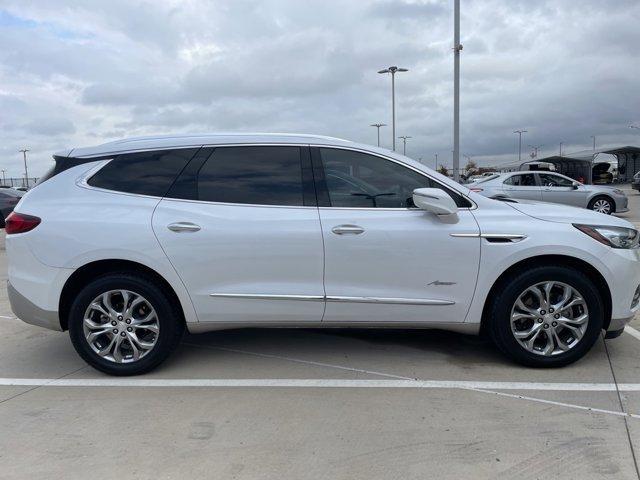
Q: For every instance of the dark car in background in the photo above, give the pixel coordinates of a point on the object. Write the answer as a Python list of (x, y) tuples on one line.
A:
[(8, 200)]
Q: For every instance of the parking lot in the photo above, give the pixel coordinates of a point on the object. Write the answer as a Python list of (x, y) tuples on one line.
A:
[(334, 404)]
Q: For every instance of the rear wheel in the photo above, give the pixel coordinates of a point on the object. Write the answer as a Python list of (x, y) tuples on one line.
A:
[(124, 324), (602, 204), (546, 317)]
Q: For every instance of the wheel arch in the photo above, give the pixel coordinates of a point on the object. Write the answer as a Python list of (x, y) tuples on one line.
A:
[(82, 275), (552, 260)]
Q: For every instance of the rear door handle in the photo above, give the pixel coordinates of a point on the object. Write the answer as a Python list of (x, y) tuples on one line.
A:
[(347, 230), (183, 227)]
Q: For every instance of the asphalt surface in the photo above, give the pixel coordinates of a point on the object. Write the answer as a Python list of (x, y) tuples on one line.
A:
[(318, 404)]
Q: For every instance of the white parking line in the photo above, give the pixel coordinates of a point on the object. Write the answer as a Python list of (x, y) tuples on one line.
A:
[(315, 383), (633, 332)]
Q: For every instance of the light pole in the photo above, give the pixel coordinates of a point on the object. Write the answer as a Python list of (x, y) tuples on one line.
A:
[(378, 125), (594, 142), (535, 149), (436, 161), (457, 48), (393, 71), (404, 143), (26, 173), (561, 143), (519, 132), (4, 180)]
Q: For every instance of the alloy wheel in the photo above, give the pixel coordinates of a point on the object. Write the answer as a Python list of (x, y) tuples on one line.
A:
[(602, 206), (549, 318), (121, 326)]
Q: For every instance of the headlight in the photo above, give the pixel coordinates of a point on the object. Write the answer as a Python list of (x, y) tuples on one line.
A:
[(617, 191), (615, 237)]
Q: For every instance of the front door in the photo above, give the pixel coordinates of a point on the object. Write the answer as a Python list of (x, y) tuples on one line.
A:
[(243, 233), (385, 261), (559, 189)]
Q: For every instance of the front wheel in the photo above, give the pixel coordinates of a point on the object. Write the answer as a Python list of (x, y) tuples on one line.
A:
[(546, 317), (602, 205), (124, 324)]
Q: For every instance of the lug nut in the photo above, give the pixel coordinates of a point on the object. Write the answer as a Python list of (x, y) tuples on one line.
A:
[(128, 320), (546, 325), (556, 316), (539, 320), (114, 323), (554, 324), (115, 330), (122, 333), (119, 317), (542, 312), (129, 329), (551, 310)]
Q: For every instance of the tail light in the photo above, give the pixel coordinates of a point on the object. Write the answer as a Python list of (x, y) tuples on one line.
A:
[(476, 189), (20, 223)]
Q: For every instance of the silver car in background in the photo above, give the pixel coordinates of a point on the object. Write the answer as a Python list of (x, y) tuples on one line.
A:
[(552, 187)]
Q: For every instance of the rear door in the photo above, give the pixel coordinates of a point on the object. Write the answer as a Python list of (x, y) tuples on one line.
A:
[(559, 189), (241, 227), (522, 185)]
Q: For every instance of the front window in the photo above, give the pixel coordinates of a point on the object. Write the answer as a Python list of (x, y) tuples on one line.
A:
[(359, 180), (550, 180)]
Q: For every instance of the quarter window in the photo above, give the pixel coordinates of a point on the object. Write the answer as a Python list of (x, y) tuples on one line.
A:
[(359, 180), (148, 173), (522, 180), (252, 175)]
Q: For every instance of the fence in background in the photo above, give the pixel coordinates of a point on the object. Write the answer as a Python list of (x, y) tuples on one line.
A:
[(18, 182)]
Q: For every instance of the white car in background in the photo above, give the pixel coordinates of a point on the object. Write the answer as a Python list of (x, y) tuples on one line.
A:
[(128, 243), (552, 187)]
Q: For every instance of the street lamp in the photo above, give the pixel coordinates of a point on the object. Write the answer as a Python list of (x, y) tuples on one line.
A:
[(535, 149), (457, 48), (519, 132), (393, 71), (26, 173), (378, 125), (561, 143), (436, 161), (594, 142), (404, 143), (4, 180)]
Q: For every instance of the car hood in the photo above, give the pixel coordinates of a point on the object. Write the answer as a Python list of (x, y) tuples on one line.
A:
[(551, 212)]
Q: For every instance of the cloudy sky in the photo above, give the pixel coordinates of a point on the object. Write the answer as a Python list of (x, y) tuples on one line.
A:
[(80, 72)]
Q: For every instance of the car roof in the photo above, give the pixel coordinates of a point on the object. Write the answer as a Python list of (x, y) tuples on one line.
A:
[(195, 140)]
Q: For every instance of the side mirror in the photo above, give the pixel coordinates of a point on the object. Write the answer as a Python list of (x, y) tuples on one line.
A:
[(575, 185), (434, 200)]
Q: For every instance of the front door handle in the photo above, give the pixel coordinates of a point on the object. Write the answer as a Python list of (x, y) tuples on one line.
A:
[(347, 230), (183, 227)]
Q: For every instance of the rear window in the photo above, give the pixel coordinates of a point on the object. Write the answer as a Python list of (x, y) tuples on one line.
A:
[(144, 173), (260, 175)]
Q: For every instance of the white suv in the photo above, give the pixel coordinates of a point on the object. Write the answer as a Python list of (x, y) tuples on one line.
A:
[(128, 243)]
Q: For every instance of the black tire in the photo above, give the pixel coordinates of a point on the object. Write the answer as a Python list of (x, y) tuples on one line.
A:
[(169, 315), (499, 315), (603, 198)]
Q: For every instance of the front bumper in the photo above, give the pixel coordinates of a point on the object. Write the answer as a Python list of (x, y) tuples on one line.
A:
[(29, 312)]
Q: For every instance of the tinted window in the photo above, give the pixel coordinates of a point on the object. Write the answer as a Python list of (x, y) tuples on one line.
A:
[(550, 180), (356, 179), (148, 173), (522, 180), (254, 175)]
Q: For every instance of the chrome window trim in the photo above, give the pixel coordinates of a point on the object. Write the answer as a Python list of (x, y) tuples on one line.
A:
[(410, 167), (335, 299), (82, 181)]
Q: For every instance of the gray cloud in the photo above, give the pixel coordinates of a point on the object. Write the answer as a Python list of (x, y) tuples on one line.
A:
[(80, 72)]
